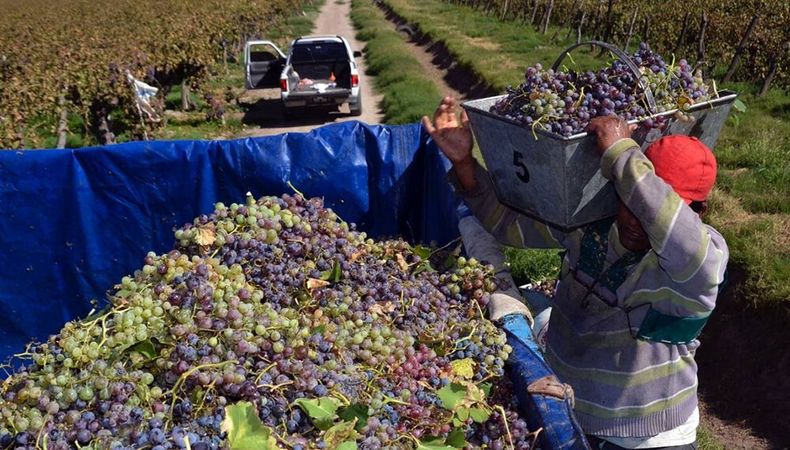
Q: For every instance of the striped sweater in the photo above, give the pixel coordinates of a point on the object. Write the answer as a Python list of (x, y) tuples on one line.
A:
[(624, 387)]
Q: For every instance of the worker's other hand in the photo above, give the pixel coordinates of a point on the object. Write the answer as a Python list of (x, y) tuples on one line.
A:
[(452, 137), (608, 130), (504, 304)]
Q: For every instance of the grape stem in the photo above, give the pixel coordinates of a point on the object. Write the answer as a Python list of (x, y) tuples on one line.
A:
[(536, 433), (209, 388), (290, 185), (507, 427), (263, 372), (342, 398), (183, 378), (275, 387), (38, 438)]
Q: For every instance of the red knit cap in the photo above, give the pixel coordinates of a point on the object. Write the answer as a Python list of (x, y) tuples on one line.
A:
[(686, 164)]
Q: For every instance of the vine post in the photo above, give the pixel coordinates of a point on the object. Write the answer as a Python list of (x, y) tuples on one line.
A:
[(682, 33), (62, 122), (579, 28), (701, 40), (773, 66), (741, 45), (630, 30), (548, 16)]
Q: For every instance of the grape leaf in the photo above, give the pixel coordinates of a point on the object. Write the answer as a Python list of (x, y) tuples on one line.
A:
[(432, 446), (422, 252), (451, 394), (357, 412), (333, 275), (340, 433), (432, 440), (424, 266), (315, 283), (739, 105), (245, 429), (456, 438), (404, 266), (463, 414), (486, 388), (479, 415), (348, 445), (145, 348), (464, 368), (205, 236), (322, 410)]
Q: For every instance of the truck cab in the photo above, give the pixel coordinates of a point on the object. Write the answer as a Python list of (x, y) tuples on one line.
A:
[(318, 71)]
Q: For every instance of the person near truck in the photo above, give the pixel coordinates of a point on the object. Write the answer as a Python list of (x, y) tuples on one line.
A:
[(634, 291)]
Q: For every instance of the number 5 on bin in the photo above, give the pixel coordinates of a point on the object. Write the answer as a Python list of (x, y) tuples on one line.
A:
[(521, 169)]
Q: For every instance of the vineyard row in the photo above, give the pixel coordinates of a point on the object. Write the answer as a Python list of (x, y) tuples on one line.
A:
[(72, 59), (741, 40)]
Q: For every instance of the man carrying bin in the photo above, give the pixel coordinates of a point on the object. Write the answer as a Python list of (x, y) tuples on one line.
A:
[(634, 291)]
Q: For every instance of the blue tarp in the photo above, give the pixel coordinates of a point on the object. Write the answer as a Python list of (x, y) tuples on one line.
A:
[(73, 222)]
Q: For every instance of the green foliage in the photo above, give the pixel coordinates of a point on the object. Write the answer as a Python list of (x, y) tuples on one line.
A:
[(332, 275), (533, 265), (356, 412), (322, 411), (466, 400), (727, 22), (170, 40), (245, 429), (173, 41), (497, 52), (752, 203)]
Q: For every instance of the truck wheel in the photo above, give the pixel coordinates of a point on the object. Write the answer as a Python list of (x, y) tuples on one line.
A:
[(356, 108)]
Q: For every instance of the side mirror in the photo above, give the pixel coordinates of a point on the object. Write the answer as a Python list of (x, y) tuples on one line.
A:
[(357, 53)]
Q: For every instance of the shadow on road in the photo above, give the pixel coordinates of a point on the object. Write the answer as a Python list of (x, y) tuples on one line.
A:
[(269, 113)]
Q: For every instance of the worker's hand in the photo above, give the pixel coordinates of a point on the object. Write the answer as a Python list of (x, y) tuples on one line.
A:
[(609, 129), (454, 139)]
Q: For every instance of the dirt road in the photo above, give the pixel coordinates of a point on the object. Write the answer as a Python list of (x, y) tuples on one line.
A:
[(264, 113)]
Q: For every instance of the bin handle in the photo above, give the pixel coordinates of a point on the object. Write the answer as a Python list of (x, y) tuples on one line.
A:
[(651, 102)]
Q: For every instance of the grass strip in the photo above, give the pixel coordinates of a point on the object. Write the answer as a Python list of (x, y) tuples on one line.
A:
[(398, 76)]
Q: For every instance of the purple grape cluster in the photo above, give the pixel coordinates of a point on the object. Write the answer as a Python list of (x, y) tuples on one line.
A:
[(564, 102), (273, 303)]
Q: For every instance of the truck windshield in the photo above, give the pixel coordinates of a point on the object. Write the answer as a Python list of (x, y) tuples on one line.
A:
[(318, 52)]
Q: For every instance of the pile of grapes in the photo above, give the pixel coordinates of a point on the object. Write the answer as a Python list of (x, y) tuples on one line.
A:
[(564, 102), (274, 324)]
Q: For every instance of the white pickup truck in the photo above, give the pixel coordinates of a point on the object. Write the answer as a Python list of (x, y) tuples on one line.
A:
[(319, 71)]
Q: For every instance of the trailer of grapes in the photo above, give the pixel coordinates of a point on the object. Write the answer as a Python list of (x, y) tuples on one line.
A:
[(261, 320), (542, 162)]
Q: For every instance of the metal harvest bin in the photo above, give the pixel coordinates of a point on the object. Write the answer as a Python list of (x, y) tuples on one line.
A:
[(557, 179)]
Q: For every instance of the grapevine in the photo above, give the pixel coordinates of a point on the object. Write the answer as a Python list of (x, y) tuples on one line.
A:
[(81, 53), (672, 27)]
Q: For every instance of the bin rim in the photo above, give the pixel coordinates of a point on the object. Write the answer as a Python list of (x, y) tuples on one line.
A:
[(722, 96)]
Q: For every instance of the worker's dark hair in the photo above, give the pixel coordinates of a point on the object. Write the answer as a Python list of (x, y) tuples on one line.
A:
[(698, 206)]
